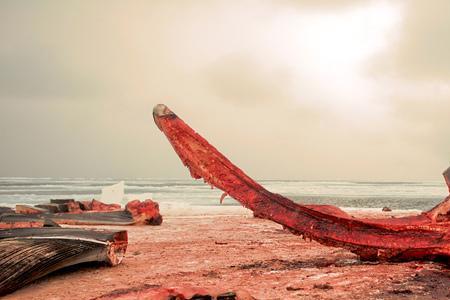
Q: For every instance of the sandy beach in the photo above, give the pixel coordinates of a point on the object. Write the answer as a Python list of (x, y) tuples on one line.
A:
[(240, 252)]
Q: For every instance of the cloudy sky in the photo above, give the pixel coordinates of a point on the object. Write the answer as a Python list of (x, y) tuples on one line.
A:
[(286, 89)]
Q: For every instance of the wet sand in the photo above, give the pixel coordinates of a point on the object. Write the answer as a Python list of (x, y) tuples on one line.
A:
[(238, 251)]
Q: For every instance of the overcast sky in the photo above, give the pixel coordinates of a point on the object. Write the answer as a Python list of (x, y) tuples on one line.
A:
[(286, 89)]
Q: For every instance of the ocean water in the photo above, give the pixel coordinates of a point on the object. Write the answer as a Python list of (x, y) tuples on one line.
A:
[(188, 195)]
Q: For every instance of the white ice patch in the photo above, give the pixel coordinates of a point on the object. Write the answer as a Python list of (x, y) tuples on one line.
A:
[(113, 193)]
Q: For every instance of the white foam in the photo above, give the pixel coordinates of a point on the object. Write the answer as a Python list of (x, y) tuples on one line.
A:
[(184, 209)]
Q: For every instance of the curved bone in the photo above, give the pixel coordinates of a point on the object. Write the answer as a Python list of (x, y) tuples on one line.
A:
[(409, 238)]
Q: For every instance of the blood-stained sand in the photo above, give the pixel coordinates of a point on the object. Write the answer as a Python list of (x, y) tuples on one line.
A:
[(241, 252)]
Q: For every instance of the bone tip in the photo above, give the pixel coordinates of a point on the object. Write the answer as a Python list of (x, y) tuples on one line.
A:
[(161, 110), (447, 177)]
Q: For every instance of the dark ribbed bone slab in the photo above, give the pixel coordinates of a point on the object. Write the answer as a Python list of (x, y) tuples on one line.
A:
[(27, 254)]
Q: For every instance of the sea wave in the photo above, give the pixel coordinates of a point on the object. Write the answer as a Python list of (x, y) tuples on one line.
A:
[(396, 195)]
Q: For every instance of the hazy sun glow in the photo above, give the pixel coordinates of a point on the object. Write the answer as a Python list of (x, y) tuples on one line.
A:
[(330, 50)]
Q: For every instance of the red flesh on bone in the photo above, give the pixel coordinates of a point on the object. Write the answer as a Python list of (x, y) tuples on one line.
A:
[(426, 236)]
